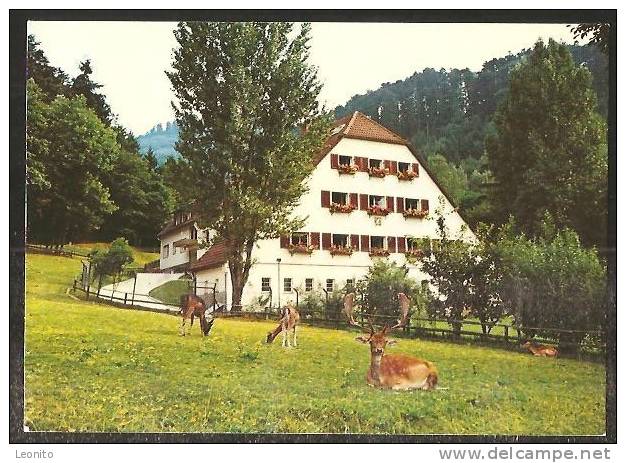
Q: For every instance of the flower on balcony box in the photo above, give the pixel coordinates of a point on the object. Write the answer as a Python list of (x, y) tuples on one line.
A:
[(414, 253), (415, 213), (341, 208), (378, 210), (347, 169), (301, 249), (406, 175), (379, 252), (378, 172), (337, 250)]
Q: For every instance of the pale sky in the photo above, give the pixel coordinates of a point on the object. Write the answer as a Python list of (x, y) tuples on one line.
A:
[(129, 58)]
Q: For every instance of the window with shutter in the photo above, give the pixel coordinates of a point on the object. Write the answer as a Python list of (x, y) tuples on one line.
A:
[(365, 243), (390, 203), (284, 241), (401, 244), (326, 241), (354, 200), (354, 242), (416, 168), (364, 202), (400, 205), (393, 167), (410, 203), (425, 205), (363, 166), (300, 239), (315, 240), (334, 161), (325, 198), (391, 243), (339, 198)]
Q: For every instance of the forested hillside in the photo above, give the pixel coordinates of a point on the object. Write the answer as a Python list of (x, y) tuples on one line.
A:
[(448, 112)]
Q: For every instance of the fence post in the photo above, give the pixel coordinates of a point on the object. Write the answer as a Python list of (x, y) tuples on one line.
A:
[(132, 301), (326, 304), (125, 298), (74, 287), (88, 289), (297, 296), (214, 297), (506, 333)]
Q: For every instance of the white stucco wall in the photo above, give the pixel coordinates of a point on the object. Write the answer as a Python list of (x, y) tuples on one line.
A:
[(320, 265), (181, 256)]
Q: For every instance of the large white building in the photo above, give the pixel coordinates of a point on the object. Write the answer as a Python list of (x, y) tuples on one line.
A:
[(369, 194)]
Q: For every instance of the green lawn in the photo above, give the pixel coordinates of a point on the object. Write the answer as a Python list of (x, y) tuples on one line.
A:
[(91, 367), (171, 291), (141, 256)]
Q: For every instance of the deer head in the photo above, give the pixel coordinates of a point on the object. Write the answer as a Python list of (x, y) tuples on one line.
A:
[(377, 338)]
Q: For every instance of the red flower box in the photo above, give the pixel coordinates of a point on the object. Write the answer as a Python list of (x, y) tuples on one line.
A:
[(379, 172), (341, 208), (407, 175), (414, 254), (300, 249), (379, 252), (347, 169), (414, 214), (377, 210), (340, 250)]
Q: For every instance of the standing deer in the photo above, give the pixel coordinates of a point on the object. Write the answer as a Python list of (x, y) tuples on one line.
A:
[(289, 319), (399, 372), (539, 350), (192, 306)]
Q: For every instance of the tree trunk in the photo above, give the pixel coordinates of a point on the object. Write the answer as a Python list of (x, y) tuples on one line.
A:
[(570, 342), (456, 329), (239, 271)]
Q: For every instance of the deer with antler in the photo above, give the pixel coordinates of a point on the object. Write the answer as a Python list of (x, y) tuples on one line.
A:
[(400, 372)]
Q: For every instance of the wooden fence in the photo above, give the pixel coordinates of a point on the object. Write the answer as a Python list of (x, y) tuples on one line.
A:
[(417, 327), (55, 251)]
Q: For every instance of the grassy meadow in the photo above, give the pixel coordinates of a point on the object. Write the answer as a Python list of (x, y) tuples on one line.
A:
[(91, 367)]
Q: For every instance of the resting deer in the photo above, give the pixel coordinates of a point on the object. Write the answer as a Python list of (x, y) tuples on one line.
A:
[(192, 306), (400, 372), (289, 319), (539, 350)]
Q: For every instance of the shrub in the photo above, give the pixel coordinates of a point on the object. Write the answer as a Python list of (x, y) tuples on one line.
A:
[(112, 262), (553, 282), (380, 288)]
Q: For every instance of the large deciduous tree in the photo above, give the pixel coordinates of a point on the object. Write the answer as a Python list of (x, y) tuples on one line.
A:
[(69, 152), (549, 152), (249, 125)]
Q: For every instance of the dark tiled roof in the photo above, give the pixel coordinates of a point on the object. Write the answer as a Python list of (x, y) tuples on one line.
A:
[(215, 256)]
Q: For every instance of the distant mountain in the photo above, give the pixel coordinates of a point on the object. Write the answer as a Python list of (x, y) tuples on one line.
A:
[(161, 140)]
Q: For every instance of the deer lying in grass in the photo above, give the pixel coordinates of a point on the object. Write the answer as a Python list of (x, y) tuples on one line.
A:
[(192, 306), (399, 372), (289, 319), (539, 350)]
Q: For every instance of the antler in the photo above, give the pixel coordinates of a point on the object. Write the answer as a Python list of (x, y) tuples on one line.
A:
[(348, 308), (405, 302)]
